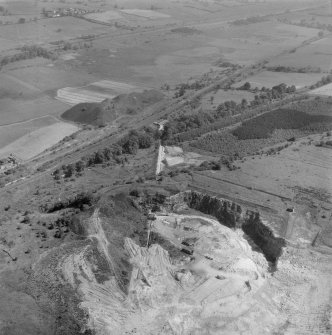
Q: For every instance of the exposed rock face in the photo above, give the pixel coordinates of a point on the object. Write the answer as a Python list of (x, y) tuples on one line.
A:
[(232, 215)]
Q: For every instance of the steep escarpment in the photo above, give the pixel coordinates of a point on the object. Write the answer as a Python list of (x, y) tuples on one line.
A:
[(233, 215)]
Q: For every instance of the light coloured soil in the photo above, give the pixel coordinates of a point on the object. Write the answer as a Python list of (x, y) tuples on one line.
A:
[(174, 156), (224, 287), (39, 140)]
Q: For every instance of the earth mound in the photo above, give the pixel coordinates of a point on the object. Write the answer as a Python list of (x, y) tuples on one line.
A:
[(99, 114)]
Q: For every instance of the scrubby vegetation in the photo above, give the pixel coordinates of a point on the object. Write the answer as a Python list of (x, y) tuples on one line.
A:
[(79, 201), (28, 52), (128, 144), (317, 106), (263, 125)]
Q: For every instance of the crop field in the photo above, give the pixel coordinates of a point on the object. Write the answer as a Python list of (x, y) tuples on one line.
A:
[(35, 142), (107, 17), (13, 110), (14, 131), (325, 90), (269, 79), (73, 96), (149, 14), (95, 92), (117, 87)]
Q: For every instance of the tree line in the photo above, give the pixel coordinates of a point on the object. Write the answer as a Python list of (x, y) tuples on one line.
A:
[(128, 145), (187, 127), (28, 52)]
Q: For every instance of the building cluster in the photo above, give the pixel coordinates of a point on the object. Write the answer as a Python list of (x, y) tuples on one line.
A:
[(68, 12)]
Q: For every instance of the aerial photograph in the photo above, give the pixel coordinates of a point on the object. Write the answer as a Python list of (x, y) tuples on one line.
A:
[(165, 167)]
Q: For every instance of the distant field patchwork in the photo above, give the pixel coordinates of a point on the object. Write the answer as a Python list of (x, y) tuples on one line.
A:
[(95, 92), (149, 14), (106, 17), (73, 96)]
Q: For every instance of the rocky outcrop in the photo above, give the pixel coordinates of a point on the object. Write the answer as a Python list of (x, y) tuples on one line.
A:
[(233, 215)]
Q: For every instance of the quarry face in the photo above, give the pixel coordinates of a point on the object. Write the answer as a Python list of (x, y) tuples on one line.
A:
[(201, 278)]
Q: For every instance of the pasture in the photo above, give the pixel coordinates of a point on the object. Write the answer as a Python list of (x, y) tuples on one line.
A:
[(269, 79), (212, 100)]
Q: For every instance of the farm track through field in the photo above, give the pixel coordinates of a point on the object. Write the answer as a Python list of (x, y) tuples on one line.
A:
[(29, 120), (21, 82), (244, 202), (247, 187)]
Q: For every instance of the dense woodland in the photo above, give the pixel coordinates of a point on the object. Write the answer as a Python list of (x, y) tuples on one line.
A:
[(263, 125)]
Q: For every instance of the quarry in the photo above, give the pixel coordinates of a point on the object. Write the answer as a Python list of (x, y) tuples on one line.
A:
[(165, 167)]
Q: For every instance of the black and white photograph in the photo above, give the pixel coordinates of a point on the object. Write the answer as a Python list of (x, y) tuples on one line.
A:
[(165, 167)]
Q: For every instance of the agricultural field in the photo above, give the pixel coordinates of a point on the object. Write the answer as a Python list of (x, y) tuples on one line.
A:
[(325, 90), (35, 142), (317, 53), (105, 17), (14, 131), (148, 14), (46, 31), (94, 92), (269, 79)]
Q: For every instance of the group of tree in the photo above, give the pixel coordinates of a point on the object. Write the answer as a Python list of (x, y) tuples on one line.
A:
[(78, 201), (263, 125), (28, 52), (129, 144), (293, 69), (188, 126), (182, 88), (324, 81)]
